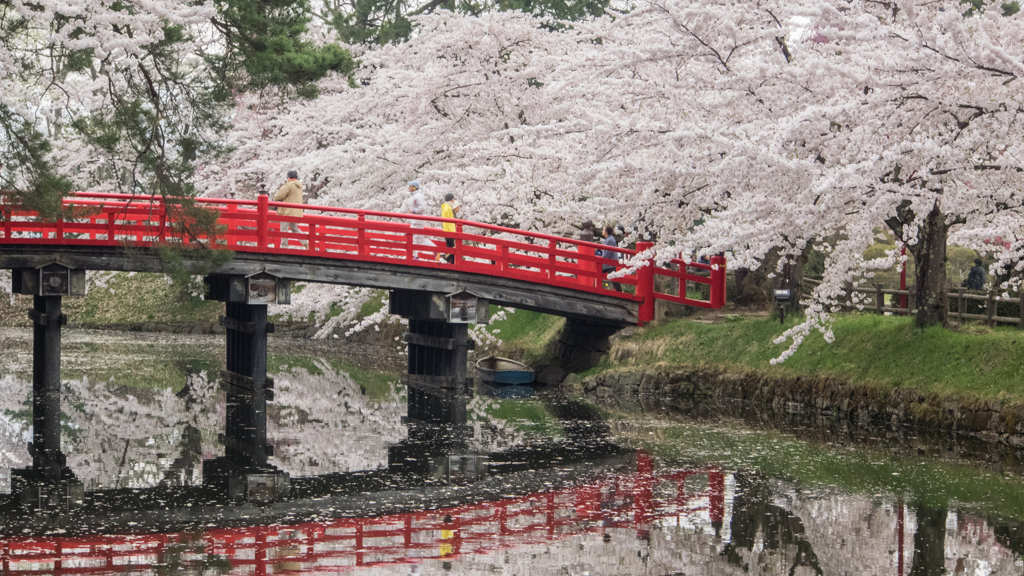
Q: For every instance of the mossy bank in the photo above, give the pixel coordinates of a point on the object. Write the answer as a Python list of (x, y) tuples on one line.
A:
[(879, 371)]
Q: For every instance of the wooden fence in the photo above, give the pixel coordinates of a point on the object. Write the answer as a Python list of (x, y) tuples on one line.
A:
[(962, 296)]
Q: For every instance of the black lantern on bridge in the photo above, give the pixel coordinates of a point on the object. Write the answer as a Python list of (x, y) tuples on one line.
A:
[(53, 279)]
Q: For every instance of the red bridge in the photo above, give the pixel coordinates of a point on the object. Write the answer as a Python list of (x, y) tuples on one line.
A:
[(541, 272), (633, 501), (494, 265)]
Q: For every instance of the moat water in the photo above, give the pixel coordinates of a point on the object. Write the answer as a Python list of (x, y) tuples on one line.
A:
[(545, 485)]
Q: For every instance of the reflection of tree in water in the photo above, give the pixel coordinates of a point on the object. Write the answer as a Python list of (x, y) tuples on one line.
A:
[(321, 423), (15, 422), (110, 434), (136, 436), (758, 524), (929, 542), (190, 458), (128, 435)]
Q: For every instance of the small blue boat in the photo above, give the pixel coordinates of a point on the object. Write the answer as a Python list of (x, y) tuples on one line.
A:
[(497, 371)]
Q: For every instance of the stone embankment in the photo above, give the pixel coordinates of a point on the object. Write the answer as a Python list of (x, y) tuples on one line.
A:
[(865, 405)]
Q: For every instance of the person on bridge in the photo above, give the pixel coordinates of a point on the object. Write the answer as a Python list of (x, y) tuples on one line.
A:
[(609, 240), (417, 206), (291, 193), (448, 210)]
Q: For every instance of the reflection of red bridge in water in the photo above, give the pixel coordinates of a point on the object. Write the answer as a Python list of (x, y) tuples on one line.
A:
[(632, 501), (252, 230)]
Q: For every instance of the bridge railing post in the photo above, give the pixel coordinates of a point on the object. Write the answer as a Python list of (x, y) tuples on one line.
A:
[(458, 244), (7, 218), (361, 235), (232, 225), (581, 266), (645, 285), (111, 218), (142, 225), (717, 281), (161, 208), (552, 251), (262, 212)]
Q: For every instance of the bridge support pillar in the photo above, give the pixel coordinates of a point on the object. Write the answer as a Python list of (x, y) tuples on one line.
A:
[(582, 343), (437, 382), (244, 471), (48, 484)]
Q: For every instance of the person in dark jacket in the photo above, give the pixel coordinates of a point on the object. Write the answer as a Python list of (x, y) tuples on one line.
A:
[(609, 240), (976, 277)]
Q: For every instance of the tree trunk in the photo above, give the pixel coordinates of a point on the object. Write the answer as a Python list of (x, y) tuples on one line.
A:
[(751, 288), (930, 257)]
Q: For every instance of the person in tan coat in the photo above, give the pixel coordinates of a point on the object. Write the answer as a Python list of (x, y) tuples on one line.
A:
[(291, 193)]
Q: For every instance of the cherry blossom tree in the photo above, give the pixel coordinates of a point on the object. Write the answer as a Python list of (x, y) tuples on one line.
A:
[(712, 126), (76, 75), (758, 128), (906, 114), (449, 107), (446, 108)]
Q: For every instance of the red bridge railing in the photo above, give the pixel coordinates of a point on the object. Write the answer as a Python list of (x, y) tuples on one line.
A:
[(253, 226), (633, 502)]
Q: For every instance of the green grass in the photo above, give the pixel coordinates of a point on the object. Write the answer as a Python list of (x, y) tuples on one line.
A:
[(525, 334), (371, 306), (377, 384), (125, 362), (140, 298), (526, 415), (885, 351)]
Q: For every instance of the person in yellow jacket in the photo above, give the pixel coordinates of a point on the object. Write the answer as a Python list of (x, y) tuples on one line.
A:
[(448, 210), (291, 193)]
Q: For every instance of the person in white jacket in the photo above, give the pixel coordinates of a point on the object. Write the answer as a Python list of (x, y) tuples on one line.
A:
[(417, 206)]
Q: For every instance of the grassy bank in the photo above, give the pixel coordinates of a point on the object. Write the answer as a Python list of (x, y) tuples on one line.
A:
[(131, 299), (885, 351), (126, 299), (524, 335), (882, 351)]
